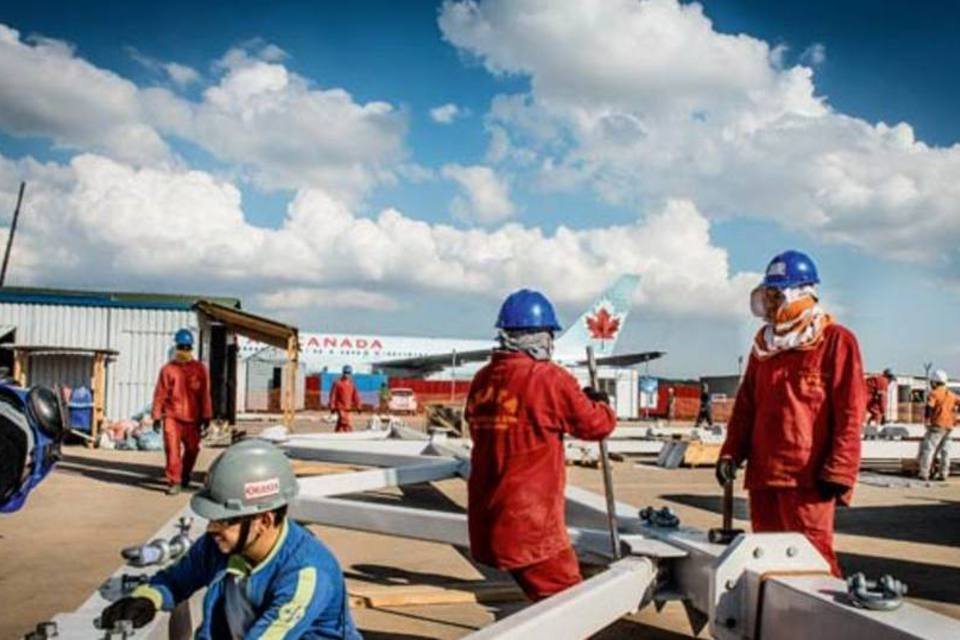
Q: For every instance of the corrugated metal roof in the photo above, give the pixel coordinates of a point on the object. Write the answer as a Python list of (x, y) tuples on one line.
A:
[(127, 300)]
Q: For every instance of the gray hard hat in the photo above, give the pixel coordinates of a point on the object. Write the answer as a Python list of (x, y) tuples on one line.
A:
[(250, 477)]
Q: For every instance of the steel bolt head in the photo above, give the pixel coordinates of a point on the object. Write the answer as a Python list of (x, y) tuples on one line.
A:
[(730, 585), (791, 551), (758, 553), (730, 623)]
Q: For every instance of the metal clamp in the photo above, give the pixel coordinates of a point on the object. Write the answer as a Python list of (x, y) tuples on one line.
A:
[(664, 517), (885, 594)]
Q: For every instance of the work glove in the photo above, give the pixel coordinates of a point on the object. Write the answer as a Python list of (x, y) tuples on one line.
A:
[(726, 470), (828, 490), (596, 396), (140, 611)]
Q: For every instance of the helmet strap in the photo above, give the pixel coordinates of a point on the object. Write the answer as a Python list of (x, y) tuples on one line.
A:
[(244, 536)]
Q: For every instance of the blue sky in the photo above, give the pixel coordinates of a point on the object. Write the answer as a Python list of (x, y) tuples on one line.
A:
[(644, 133)]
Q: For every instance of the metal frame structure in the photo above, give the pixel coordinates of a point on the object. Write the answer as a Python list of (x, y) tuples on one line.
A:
[(760, 586)]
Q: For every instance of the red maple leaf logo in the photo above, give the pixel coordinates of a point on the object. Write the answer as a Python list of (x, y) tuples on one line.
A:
[(602, 325)]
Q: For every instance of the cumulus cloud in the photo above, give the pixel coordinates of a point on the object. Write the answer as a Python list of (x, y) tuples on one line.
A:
[(48, 91), (484, 197), (654, 103), (180, 74), (447, 113), (99, 220), (814, 55)]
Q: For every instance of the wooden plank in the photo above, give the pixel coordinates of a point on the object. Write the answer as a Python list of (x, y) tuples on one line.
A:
[(98, 384), (376, 596), (20, 366)]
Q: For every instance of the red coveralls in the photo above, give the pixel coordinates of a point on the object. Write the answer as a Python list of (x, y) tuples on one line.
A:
[(877, 398), (518, 409), (797, 419), (182, 399), (343, 398)]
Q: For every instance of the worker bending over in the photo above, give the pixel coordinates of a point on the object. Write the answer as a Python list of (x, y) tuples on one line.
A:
[(343, 398), (799, 410), (877, 387), (265, 575), (181, 400), (941, 405), (519, 407)]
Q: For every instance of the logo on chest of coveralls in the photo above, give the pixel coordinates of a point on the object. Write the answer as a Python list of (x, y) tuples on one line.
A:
[(494, 409)]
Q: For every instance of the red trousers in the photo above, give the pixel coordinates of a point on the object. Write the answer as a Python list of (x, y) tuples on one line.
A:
[(550, 576), (343, 422), (875, 411), (796, 510), (177, 435)]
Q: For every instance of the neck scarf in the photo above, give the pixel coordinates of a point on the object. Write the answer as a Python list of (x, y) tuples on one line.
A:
[(182, 355), (537, 344), (798, 324)]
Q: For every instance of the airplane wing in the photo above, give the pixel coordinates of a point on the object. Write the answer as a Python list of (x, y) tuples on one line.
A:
[(433, 363), (627, 359)]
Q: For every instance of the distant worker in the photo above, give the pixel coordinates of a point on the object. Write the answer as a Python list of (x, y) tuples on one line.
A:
[(265, 575), (799, 411), (706, 406), (181, 400), (384, 398), (877, 387), (940, 419), (519, 407), (671, 404), (343, 398)]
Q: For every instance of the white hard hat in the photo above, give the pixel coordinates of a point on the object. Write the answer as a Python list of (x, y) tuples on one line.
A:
[(940, 376)]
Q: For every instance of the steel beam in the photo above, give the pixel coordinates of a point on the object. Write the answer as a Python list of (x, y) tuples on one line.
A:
[(580, 611), (340, 483), (376, 457)]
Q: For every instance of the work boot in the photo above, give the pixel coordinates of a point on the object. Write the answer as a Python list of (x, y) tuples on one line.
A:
[(173, 490), (185, 483)]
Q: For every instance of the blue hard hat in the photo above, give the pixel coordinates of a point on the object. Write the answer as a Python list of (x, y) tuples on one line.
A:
[(790, 269), (527, 309), (347, 369), (183, 338)]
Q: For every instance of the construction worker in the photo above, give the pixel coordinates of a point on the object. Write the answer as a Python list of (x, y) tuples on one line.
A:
[(798, 414), (940, 419), (706, 406), (33, 423), (384, 398), (181, 400), (344, 397), (519, 407), (265, 576), (671, 405), (877, 397)]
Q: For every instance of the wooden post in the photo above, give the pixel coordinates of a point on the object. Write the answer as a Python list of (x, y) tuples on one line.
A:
[(99, 391), (21, 360), (289, 391)]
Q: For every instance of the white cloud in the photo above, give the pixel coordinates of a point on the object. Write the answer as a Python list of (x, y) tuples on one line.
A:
[(447, 113), (181, 75), (485, 197), (643, 101), (98, 222), (48, 91), (814, 55)]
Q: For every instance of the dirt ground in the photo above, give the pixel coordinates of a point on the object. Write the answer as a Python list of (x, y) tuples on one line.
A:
[(60, 547)]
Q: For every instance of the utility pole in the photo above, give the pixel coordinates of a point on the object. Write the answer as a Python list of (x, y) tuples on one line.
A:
[(13, 230)]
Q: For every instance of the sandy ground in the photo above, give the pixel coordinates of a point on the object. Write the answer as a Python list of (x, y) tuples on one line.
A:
[(58, 549)]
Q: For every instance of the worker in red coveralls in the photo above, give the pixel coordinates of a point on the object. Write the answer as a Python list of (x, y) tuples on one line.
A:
[(798, 414), (877, 397), (182, 400), (343, 398), (519, 407)]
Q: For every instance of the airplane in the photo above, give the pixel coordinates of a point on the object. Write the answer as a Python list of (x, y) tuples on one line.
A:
[(599, 326)]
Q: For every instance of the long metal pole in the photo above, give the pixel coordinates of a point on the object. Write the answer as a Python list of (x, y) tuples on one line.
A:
[(605, 465), (13, 230)]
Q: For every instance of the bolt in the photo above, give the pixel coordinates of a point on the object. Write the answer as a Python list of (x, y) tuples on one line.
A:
[(791, 551), (730, 585), (758, 553), (730, 623)]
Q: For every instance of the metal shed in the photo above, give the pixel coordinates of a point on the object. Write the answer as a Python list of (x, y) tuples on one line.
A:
[(138, 326)]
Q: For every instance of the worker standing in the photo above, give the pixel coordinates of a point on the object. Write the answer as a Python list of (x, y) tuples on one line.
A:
[(519, 407), (706, 406), (671, 405), (799, 410), (344, 397), (265, 576), (877, 387), (941, 405), (181, 400)]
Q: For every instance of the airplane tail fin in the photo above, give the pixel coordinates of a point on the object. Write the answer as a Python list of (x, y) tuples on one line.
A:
[(601, 324)]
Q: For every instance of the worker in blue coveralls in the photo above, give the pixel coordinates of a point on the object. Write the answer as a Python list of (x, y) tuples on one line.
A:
[(266, 576), (32, 426)]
